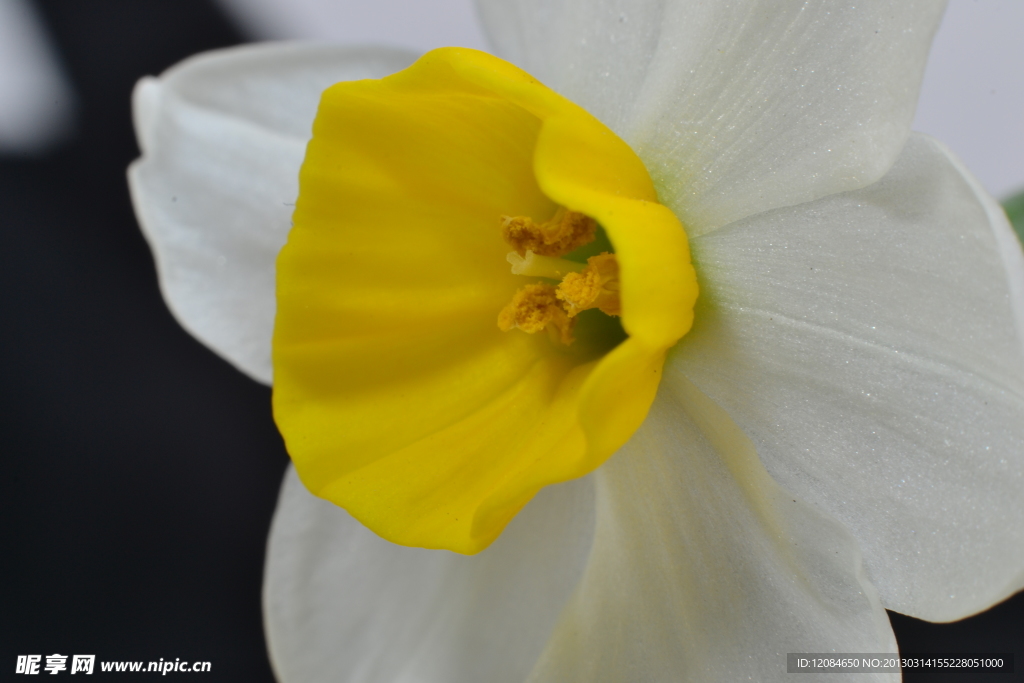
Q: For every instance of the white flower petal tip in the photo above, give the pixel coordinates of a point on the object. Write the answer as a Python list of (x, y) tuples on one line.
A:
[(737, 107), (703, 568), (340, 603), (223, 135), (870, 344), (37, 103)]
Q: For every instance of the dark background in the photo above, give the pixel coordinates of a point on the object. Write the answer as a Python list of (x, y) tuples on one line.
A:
[(140, 471)]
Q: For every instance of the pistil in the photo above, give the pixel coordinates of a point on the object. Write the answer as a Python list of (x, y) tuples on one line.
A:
[(535, 265)]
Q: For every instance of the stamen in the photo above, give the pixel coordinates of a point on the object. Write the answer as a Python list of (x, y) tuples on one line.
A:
[(534, 308), (596, 287), (537, 247), (535, 265), (564, 232)]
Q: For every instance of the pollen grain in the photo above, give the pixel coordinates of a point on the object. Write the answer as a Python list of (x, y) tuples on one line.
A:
[(597, 286), (562, 233), (534, 308)]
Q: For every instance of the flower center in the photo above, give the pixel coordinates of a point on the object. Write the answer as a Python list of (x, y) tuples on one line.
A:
[(538, 248)]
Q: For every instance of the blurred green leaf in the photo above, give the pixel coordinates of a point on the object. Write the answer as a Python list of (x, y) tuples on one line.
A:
[(1014, 207)]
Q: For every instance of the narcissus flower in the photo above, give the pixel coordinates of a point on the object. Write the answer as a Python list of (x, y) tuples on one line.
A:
[(488, 281)]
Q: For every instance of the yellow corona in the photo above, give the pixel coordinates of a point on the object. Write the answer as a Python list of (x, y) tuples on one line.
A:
[(398, 396)]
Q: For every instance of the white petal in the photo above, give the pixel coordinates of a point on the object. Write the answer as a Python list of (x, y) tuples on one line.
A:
[(704, 569), (222, 137), (36, 101), (735, 107), (341, 604), (870, 345)]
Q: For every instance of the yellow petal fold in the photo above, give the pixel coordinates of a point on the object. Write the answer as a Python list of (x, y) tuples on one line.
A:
[(398, 397)]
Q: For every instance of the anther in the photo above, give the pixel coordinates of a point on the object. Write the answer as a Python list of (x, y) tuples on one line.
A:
[(564, 232), (534, 308), (597, 286)]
